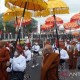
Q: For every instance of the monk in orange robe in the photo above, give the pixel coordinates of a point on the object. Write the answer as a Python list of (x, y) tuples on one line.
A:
[(49, 69), (73, 56), (4, 57)]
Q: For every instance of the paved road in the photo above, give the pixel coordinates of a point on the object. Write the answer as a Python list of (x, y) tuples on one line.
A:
[(35, 72), (64, 74)]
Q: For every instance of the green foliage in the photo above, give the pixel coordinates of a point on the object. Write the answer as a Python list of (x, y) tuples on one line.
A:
[(10, 27), (1, 26)]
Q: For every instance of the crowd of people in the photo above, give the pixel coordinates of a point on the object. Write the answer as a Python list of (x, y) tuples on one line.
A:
[(14, 59)]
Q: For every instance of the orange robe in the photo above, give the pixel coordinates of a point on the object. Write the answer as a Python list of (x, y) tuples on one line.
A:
[(4, 57), (49, 69), (73, 59)]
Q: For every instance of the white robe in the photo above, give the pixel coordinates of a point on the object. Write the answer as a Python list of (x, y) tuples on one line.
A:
[(18, 64), (27, 54)]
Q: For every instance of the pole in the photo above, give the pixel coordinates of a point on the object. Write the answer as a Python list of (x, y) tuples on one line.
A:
[(70, 33), (19, 32), (56, 33)]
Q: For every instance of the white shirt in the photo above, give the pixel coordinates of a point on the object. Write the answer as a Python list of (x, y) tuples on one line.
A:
[(19, 63), (36, 48), (65, 43), (68, 47), (28, 54), (54, 47), (63, 54), (27, 41), (78, 46)]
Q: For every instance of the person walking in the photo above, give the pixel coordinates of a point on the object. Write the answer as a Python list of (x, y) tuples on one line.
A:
[(50, 63), (18, 65), (4, 58), (35, 49)]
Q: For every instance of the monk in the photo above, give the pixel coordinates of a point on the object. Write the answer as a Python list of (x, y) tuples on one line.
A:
[(4, 58), (73, 56), (49, 68)]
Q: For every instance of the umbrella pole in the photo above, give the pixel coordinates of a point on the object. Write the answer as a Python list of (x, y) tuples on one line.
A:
[(70, 33), (57, 39), (19, 32), (56, 33), (22, 20)]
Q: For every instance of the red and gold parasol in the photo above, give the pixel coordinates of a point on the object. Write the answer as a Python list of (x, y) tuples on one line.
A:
[(75, 33), (46, 26), (70, 25), (25, 21), (75, 17), (51, 20)]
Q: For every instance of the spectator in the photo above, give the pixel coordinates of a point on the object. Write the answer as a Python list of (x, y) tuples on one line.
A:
[(63, 54), (35, 49), (18, 65), (27, 54)]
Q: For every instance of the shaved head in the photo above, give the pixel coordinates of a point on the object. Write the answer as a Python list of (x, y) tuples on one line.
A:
[(47, 49), (47, 46)]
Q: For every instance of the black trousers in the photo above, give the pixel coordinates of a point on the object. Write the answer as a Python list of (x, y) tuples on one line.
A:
[(36, 53), (17, 75)]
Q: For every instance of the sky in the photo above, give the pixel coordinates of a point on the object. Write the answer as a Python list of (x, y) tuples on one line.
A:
[(74, 7), (2, 6)]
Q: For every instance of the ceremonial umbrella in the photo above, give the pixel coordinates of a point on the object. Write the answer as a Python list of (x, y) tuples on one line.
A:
[(75, 17), (11, 14), (75, 33), (56, 7), (51, 20), (46, 26), (26, 21), (71, 25), (42, 13), (29, 5)]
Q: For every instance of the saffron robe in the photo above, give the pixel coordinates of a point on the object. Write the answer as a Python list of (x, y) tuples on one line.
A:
[(4, 57), (49, 69), (73, 56)]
